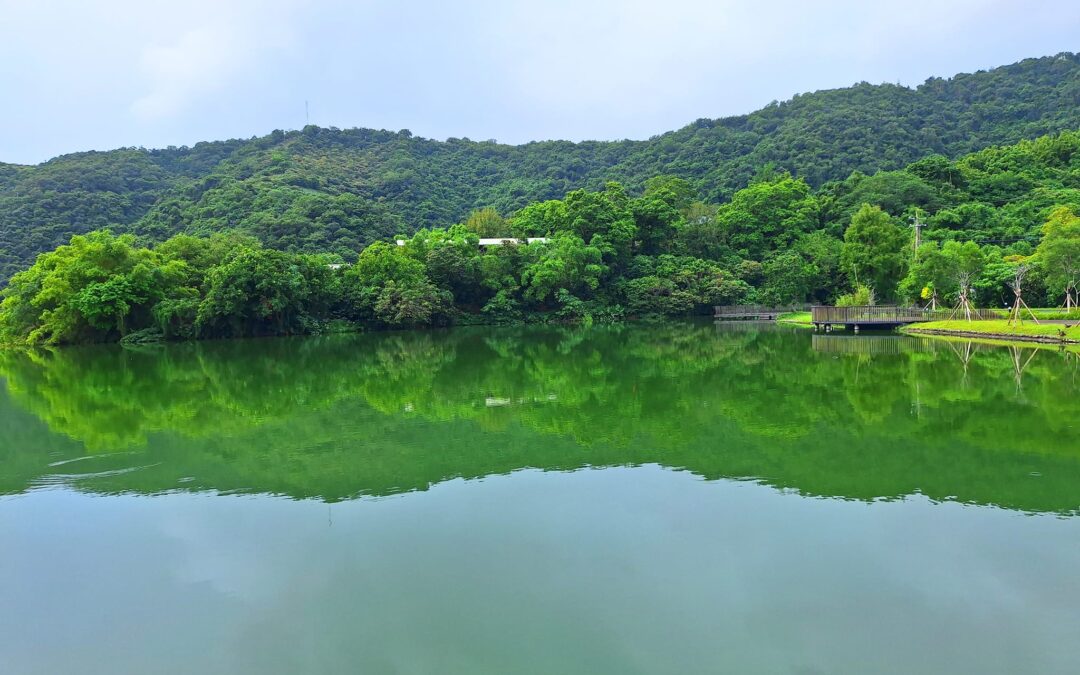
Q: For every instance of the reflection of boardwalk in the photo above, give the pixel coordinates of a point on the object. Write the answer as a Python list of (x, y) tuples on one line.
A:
[(750, 326), (873, 345)]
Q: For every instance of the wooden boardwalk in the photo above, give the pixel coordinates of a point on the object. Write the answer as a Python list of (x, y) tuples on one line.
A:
[(754, 312), (884, 316)]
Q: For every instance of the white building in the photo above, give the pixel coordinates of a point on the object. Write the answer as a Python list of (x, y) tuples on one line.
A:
[(500, 241)]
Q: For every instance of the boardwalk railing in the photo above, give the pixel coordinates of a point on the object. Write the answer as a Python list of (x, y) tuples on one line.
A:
[(763, 311), (888, 314)]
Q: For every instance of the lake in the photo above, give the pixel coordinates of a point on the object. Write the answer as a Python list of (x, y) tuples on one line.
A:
[(679, 498)]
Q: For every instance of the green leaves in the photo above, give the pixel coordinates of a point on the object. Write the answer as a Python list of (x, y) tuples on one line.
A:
[(410, 303), (82, 292), (567, 263), (875, 251), (767, 216), (680, 285), (1058, 254), (390, 286), (265, 292), (101, 287), (106, 304), (486, 223), (335, 191), (775, 241)]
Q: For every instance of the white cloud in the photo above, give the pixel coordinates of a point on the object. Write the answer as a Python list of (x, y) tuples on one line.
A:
[(77, 75), (237, 41), (199, 62)]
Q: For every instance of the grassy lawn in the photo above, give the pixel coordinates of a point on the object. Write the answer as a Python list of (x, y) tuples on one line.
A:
[(1002, 327), (802, 318), (1044, 313)]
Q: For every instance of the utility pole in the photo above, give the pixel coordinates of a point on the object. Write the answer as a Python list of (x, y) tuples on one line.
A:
[(918, 224)]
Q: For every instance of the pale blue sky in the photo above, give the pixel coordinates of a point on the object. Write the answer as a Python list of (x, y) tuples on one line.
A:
[(80, 75)]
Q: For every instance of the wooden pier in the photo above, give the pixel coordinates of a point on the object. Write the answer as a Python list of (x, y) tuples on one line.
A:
[(755, 312), (884, 316)]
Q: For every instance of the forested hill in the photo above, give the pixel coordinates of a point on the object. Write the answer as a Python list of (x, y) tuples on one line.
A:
[(333, 190)]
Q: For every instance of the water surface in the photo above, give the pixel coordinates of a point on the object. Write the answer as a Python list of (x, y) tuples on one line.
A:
[(636, 499)]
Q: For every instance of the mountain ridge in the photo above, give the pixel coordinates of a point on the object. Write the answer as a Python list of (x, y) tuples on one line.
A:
[(337, 190), (696, 123)]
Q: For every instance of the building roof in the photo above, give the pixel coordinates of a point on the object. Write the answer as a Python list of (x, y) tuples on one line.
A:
[(500, 241)]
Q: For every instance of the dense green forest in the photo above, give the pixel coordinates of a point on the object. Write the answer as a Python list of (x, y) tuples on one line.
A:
[(607, 255), (332, 191)]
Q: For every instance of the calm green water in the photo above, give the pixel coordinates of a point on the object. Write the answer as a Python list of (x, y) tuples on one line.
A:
[(678, 499)]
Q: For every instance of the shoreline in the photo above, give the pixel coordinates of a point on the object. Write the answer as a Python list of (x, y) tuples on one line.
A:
[(1053, 332), (1005, 337)]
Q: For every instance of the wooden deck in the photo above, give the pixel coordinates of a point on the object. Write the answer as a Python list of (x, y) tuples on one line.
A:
[(755, 312), (884, 316)]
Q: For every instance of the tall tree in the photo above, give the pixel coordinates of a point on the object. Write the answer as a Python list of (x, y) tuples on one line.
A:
[(875, 250), (1058, 254), (487, 223), (768, 215), (85, 291)]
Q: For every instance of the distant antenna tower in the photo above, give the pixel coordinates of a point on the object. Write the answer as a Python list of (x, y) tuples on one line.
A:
[(307, 117)]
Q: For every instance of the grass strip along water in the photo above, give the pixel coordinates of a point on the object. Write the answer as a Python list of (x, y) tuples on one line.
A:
[(1028, 331)]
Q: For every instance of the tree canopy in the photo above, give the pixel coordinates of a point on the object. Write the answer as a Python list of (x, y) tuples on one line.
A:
[(334, 191), (603, 254)]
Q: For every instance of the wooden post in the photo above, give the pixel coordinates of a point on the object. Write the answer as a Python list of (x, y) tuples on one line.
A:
[(1017, 286)]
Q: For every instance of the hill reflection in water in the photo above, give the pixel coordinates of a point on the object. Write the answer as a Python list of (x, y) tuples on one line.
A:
[(341, 417)]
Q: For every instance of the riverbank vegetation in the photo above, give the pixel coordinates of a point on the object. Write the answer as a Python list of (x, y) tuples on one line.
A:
[(335, 191), (1003, 329), (607, 255)]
